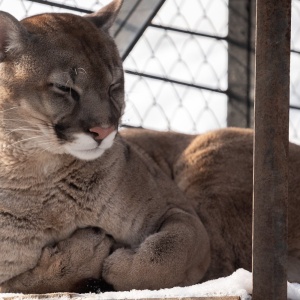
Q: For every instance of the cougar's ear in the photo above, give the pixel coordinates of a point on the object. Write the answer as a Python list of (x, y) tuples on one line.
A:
[(11, 34), (105, 17)]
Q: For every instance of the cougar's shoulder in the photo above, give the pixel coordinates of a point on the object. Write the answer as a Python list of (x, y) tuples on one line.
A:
[(163, 147)]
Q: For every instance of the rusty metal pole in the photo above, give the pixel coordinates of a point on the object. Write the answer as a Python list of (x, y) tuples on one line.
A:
[(271, 149)]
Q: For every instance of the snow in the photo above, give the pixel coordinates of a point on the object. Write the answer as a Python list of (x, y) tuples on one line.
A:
[(237, 284)]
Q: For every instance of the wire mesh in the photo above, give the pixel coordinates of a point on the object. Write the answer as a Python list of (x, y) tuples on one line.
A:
[(184, 57)]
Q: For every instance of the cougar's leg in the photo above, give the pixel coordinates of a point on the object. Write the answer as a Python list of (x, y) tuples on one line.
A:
[(178, 254)]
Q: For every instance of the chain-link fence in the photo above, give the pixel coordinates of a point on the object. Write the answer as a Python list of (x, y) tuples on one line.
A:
[(176, 74)]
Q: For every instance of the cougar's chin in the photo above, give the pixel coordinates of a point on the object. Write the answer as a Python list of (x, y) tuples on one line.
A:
[(86, 148)]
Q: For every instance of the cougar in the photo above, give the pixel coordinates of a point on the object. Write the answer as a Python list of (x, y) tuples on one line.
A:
[(83, 203)]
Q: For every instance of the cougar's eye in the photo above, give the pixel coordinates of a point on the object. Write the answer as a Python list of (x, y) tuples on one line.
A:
[(66, 90), (63, 88), (113, 87)]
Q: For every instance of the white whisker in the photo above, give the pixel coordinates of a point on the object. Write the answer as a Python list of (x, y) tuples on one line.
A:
[(14, 107), (23, 129), (13, 120), (41, 143), (24, 140), (41, 121), (41, 150)]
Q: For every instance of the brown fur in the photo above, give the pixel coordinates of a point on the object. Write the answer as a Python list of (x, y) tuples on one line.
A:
[(171, 209)]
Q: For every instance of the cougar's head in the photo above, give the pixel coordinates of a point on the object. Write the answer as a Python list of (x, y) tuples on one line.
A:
[(61, 82)]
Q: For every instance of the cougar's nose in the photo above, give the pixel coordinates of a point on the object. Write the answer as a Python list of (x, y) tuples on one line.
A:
[(102, 133)]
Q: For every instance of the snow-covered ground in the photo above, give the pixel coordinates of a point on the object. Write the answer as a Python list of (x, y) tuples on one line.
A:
[(237, 284)]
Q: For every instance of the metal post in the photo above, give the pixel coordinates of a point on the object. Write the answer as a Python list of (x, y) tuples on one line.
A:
[(271, 149), (241, 62)]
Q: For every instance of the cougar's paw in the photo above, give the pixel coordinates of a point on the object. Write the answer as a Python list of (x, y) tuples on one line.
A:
[(117, 269), (78, 258), (83, 253), (63, 267)]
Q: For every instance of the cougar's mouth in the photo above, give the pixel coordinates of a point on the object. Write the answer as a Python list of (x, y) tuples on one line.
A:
[(86, 147)]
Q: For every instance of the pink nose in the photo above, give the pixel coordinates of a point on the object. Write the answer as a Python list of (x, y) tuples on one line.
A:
[(102, 132)]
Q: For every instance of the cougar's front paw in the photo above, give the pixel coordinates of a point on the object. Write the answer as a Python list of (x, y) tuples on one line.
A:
[(117, 269), (63, 267), (80, 257)]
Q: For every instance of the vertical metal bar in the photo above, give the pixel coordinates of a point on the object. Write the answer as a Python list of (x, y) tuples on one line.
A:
[(240, 62), (271, 149)]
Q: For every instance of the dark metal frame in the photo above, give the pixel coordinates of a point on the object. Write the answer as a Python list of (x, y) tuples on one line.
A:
[(135, 22)]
